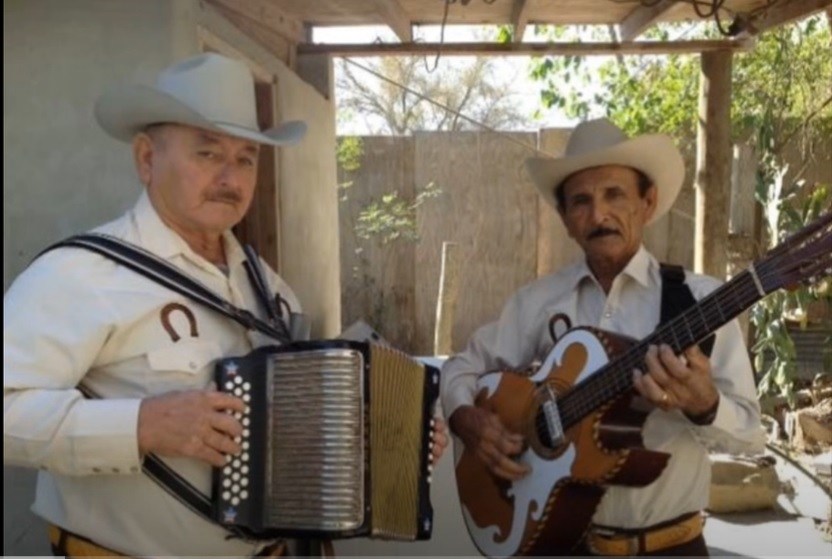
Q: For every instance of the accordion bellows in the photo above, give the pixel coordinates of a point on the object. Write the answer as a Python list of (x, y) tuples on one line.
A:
[(336, 443)]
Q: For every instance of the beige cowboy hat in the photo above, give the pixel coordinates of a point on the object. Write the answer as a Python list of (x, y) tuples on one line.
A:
[(600, 142), (208, 91)]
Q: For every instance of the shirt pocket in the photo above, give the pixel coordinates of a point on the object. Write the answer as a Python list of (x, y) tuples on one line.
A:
[(187, 364)]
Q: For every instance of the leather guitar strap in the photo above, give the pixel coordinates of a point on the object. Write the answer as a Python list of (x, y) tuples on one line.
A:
[(677, 297)]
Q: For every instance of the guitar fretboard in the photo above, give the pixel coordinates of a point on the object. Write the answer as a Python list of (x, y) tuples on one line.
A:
[(688, 328)]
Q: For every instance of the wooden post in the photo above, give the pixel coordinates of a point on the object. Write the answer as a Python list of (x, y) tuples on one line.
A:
[(446, 302), (742, 230), (713, 164)]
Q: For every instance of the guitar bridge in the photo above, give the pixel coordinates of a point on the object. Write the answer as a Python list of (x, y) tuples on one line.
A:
[(551, 415)]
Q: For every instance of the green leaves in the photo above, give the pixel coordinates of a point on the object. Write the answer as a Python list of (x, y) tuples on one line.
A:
[(393, 218)]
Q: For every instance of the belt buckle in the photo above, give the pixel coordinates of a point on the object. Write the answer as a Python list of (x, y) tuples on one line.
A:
[(633, 546), (631, 542)]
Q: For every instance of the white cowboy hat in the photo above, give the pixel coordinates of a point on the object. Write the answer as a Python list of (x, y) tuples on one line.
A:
[(600, 142), (207, 91)]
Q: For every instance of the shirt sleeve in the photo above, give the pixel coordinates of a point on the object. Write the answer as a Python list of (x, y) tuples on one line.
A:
[(54, 325), (505, 344), (736, 427)]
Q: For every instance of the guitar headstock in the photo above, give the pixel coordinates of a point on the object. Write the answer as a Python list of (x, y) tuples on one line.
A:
[(803, 258)]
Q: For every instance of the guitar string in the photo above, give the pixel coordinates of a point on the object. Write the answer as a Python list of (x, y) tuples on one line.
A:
[(579, 402), (634, 357), (584, 398), (705, 315)]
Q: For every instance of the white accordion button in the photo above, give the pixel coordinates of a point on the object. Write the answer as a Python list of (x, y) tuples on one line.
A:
[(244, 494)]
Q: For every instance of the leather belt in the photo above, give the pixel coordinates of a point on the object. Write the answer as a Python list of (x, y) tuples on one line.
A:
[(65, 543), (605, 541), (72, 545)]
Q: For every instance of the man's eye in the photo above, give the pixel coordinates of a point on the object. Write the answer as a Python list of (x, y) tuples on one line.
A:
[(247, 161), (208, 154)]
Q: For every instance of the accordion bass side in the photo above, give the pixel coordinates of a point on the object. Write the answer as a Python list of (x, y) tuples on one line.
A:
[(336, 443)]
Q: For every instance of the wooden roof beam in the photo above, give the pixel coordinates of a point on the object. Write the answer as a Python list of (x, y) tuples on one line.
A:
[(783, 13), (641, 18), (519, 18), (266, 12), (396, 18), (524, 49)]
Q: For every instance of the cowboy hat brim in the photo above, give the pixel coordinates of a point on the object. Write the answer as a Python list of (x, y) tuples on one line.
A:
[(654, 154), (124, 112)]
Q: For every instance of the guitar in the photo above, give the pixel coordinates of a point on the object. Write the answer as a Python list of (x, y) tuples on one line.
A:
[(581, 422)]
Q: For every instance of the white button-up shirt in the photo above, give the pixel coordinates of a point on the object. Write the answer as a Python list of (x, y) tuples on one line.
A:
[(76, 317), (632, 308)]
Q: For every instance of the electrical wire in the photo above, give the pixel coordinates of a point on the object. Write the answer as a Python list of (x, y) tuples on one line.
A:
[(446, 108)]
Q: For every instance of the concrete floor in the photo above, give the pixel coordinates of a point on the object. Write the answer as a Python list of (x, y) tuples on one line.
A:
[(788, 531)]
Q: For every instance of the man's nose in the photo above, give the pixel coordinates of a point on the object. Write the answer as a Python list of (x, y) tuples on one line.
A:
[(228, 174), (600, 211)]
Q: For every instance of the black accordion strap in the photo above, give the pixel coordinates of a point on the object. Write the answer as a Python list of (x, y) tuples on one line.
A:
[(168, 479), (257, 277), (162, 272)]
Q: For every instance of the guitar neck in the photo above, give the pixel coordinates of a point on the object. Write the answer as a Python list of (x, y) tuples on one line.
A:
[(688, 328)]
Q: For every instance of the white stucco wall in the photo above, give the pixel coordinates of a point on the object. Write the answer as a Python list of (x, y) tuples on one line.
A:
[(61, 173)]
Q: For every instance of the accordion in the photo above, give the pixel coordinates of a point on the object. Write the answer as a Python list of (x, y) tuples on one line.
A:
[(336, 443)]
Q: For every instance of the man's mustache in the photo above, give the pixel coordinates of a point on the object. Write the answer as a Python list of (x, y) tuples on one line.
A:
[(602, 232), (230, 196)]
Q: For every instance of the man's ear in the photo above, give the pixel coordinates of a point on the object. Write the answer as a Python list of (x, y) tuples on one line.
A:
[(651, 198), (143, 151)]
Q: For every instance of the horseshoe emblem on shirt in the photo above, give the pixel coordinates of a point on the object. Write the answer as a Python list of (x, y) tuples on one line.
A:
[(166, 312)]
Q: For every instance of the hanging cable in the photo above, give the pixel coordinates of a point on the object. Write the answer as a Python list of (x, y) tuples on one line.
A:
[(441, 38)]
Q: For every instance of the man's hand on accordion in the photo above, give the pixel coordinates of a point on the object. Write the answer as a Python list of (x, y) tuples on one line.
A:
[(193, 424), (439, 440)]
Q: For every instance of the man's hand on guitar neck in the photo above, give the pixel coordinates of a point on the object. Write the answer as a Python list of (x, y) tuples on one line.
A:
[(484, 434), (683, 383)]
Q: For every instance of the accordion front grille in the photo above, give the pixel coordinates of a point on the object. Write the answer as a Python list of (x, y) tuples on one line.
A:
[(315, 477), (396, 427)]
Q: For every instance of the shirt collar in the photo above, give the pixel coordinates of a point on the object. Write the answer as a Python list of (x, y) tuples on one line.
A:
[(638, 268), (157, 237)]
